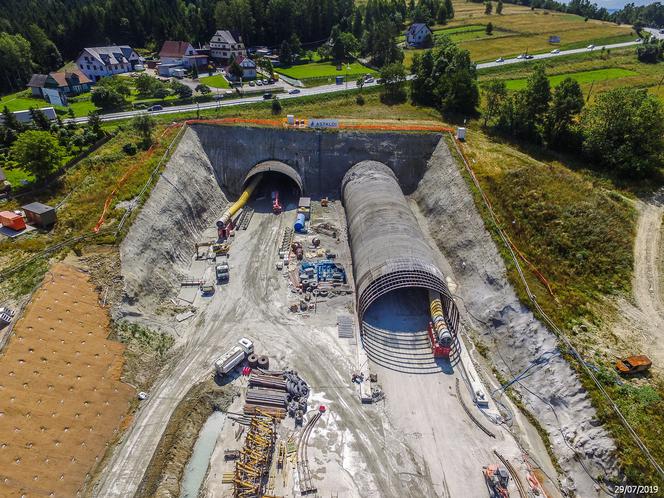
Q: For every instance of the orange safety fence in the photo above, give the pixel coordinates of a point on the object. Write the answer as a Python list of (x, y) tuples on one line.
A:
[(540, 276)]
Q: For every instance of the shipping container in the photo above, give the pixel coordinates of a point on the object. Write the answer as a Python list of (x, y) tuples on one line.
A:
[(12, 220)]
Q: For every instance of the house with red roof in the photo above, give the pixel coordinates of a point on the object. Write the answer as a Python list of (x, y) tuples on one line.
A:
[(55, 87), (183, 54)]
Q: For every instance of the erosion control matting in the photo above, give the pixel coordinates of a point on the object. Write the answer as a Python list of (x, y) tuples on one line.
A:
[(62, 400)]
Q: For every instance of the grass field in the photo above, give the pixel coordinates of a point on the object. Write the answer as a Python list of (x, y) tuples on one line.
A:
[(322, 72), (216, 81), (582, 77), (595, 71), (519, 29)]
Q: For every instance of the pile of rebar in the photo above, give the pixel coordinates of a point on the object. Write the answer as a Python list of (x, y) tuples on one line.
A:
[(269, 381), (253, 466)]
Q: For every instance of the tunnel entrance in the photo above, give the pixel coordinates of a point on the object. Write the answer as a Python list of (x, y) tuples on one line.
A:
[(402, 310), (276, 178), (276, 169)]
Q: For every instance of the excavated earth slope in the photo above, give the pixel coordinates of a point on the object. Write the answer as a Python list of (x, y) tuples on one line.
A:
[(553, 393)]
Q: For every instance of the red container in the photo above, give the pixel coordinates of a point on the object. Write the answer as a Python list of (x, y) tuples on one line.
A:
[(12, 220)]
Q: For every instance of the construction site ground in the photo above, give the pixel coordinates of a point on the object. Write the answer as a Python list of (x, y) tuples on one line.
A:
[(62, 398), (415, 443)]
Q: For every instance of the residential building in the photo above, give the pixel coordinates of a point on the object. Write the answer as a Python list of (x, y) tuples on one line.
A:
[(182, 54), (248, 68), (224, 47), (25, 117), (97, 62), (55, 87), (417, 34)]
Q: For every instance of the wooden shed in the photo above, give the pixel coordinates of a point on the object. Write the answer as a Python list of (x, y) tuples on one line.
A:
[(40, 214)]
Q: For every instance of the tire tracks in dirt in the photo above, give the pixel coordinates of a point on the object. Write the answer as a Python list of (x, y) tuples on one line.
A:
[(641, 322)]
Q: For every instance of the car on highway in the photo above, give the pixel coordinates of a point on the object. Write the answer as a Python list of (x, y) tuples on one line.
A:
[(500, 59), (294, 91), (590, 47), (638, 40), (521, 56), (369, 79), (555, 51), (528, 56), (156, 107), (267, 96)]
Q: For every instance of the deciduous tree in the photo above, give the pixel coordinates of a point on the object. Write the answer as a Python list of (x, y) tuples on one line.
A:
[(38, 152)]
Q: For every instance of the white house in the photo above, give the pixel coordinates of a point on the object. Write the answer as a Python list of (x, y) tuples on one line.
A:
[(417, 34), (225, 48), (97, 62), (248, 68), (178, 53)]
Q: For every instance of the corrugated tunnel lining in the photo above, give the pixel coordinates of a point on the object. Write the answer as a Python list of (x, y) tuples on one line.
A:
[(388, 248), (278, 167)]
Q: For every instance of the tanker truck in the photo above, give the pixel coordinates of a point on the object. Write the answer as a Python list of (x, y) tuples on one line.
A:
[(233, 357)]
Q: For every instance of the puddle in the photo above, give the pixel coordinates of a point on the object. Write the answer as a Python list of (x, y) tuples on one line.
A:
[(194, 472)]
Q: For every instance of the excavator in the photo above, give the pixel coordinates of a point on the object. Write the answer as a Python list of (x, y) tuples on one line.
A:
[(497, 478)]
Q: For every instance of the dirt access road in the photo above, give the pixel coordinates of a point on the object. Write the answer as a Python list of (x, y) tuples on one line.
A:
[(641, 323)]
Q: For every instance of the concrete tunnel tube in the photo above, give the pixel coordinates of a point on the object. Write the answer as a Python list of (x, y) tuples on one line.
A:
[(388, 248), (276, 167)]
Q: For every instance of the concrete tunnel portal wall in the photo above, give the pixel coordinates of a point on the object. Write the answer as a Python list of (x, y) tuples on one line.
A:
[(388, 248), (276, 167)]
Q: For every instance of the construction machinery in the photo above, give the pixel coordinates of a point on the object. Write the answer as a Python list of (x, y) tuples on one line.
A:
[(276, 206), (225, 222), (222, 272), (497, 479), (439, 333), (232, 358), (633, 365)]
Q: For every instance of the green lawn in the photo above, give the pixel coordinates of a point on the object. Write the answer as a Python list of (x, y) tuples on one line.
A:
[(21, 101), (216, 81), (320, 70), (583, 77)]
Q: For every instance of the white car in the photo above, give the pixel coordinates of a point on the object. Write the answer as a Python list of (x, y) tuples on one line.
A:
[(500, 59), (555, 51), (590, 47), (521, 56), (142, 395)]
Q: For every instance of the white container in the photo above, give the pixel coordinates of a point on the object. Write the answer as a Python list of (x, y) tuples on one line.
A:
[(461, 134), (290, 119)]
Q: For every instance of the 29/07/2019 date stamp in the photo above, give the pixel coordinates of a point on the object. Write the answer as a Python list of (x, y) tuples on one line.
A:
[(636, 490)]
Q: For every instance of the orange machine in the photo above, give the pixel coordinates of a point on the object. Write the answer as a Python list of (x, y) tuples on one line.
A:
[(12, 220)]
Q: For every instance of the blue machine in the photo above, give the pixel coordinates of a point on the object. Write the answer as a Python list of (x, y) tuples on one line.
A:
[(299, 223)]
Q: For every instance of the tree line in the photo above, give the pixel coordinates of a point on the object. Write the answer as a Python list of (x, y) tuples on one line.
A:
[(621, 131)]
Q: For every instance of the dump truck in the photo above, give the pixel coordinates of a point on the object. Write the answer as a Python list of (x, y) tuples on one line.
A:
[(222, 272), (233, 357), (633, 365)]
